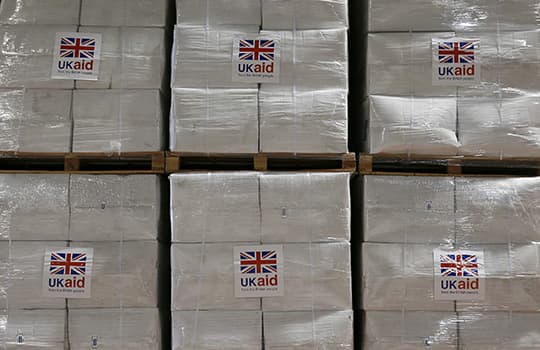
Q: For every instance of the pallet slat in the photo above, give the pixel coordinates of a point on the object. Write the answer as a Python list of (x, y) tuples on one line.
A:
[(83, 162), (180, 161), (396, 164)]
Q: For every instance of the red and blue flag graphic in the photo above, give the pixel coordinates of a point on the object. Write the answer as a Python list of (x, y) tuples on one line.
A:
[(77, 47), (459, 265), (257, 50), (264, 261), (457, 52), (68, 263)]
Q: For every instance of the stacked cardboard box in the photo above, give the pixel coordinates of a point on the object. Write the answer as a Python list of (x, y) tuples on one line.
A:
[(38, 112), (305, 112), (411, 112), (117, 216), (407, 218), (214, 213)]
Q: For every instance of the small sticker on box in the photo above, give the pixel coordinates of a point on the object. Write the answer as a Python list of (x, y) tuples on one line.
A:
[(76, 56), (67, 273), (256, 60), (258, 271), (456, 61)]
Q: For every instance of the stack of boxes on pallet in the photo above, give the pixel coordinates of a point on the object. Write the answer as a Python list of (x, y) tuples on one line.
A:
[(115, 104), (408, 221), (300, 105), (290, 229), (46, 221), (448, 78)]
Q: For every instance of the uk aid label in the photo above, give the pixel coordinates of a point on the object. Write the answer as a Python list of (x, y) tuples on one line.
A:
[(67, 273), (459, 275), (456, 61), (258, 271), (76, 56), (256, 60)]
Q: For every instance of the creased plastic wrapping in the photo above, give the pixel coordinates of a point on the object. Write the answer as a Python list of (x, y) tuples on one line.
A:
[(461, 15), (117, 120), (410, 330), (125, 13), (111, 329), (27, 55), (202, 56), (304, 14), (218, 13), (123, 274), (400, 276), (34, 207), (305, 113), (224, 330), (22, 271), (500, 124), (32, 329), (215, 120), (210, 268), (266, 207), (307, 330), (496, 117), (35, 119), (462, 210), (39, 12), (114, 208), (400, 124), (131, 58)]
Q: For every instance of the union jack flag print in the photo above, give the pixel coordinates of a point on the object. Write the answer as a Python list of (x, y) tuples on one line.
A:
[(261, 261), (77, 47), (68, 263), (459, 265), (257, 50), (457, 52)]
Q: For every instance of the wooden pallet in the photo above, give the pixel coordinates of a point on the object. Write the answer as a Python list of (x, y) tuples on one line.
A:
[(396, 164), (180, 161), (82, 162)]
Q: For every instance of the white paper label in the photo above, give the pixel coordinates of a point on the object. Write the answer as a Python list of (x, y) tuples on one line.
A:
[(456, 61), (76, 56), (256, 60), (459, 275), (67, 273), (258, 271)]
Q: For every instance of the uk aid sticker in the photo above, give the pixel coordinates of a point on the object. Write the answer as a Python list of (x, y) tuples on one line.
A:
[(258, 271), (76, 56), (455, 61), (459, 274), (67, 273), (256, 60)]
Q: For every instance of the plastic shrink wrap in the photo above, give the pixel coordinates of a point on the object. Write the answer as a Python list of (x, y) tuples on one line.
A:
[(114, 208), (218, 13), (210, 267), (117, 120), (224, 207), (215, 120), (39, 12), (310, 102), (462, 15), (33, 119), (131, 58), (34, 207), (112, 329), (27, 55), (304, 14), (123, 274), (209, 330), (495, 216), (125, 13), (22, 271), (496, 117), (32, 329), (308, 330)]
